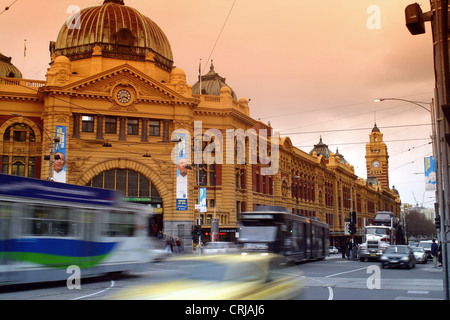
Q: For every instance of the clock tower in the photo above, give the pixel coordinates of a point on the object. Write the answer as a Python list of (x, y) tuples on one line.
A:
[(377, 158)]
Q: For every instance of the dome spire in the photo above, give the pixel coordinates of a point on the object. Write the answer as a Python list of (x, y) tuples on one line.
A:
[(114, 1)]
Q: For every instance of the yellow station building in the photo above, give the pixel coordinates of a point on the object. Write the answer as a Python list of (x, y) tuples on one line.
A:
[(109, 110)]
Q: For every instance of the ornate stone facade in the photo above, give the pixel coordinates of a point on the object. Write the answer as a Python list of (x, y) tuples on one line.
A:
[(120, 115)]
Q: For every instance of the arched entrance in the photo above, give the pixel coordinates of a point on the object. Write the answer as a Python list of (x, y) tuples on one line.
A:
[(136, 188)]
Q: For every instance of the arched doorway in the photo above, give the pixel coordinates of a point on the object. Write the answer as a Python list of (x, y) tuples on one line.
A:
[(136, 188)]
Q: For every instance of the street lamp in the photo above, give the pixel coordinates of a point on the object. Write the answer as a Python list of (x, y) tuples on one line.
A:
[(417, 103)]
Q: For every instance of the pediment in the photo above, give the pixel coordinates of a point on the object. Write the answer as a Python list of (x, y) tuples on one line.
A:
[(107, 83)]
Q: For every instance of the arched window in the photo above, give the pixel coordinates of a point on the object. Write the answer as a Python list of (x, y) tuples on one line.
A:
[(17, 157), (132, 184), (19, 132)]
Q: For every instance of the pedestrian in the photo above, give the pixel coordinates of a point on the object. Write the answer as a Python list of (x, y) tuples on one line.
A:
[(440, 254), (435, 253), (178, 246), (348, 250), (169, 244), (343, 246)]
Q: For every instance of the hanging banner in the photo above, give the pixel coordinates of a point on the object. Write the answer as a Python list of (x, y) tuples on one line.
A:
[(59, 158), (430, 173), (182, 176), (202, 199)]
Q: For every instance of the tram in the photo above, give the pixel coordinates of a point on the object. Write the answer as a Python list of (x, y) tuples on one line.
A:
[(47, 227), (275, 229)]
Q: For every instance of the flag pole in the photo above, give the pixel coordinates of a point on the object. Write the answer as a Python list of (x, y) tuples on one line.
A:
[(200, 75)]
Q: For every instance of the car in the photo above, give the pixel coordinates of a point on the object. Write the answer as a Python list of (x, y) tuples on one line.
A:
[(398, 256), (333, 250), (413, 243), (219, 247), (419, 254), (252, 276), (426, 245)]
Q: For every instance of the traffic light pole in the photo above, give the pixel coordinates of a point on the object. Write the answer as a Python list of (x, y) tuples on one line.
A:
[(439, 25), (415, 22)]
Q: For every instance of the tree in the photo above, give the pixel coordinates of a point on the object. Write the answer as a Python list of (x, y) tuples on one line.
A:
[(417, 225)]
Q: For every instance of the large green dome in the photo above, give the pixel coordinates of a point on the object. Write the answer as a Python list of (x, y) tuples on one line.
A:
[(7, 69), (120, 31)]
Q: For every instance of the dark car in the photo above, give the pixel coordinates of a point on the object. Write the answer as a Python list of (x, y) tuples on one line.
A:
[(398, 256)]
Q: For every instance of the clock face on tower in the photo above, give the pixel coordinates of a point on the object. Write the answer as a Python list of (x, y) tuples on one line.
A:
[(123, 96), (376, 164)]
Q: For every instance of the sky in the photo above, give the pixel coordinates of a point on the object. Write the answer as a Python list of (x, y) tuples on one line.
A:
[(310, 68)]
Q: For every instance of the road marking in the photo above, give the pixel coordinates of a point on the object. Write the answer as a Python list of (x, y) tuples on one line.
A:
[(418, 292), (330, 293), (95, 293), (339, 273)]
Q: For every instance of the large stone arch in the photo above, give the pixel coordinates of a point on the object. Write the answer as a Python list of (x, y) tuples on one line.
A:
[(146, 171)]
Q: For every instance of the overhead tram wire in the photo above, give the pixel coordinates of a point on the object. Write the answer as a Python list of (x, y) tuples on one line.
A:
[(390, 115), (357, 129), (329, 108), (8, 7), (346, 117), (218, 37), (214, 47), (364, 142)]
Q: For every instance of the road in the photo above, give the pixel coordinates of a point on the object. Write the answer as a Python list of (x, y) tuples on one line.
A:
[(331, 279), (341, 279)]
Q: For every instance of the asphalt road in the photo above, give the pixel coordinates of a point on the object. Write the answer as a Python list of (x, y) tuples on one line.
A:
[(341, 279), (331, 279)]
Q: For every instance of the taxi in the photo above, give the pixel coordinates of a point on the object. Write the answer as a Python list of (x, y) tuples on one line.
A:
[(254, 276)]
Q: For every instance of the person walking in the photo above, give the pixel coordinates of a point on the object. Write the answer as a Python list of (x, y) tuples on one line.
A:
[(434, 253), (343, 248)]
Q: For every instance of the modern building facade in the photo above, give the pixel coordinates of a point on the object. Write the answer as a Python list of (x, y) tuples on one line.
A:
[(114, 112)]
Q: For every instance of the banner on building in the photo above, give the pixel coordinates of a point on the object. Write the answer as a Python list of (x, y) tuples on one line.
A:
[(202, 199), (182, 174), (430, 173), (59, 158)]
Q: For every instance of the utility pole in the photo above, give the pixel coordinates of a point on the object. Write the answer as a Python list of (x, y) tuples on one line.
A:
[(415, 22)]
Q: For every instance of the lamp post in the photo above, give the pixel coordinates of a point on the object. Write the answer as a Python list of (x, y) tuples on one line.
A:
[(434, 139)]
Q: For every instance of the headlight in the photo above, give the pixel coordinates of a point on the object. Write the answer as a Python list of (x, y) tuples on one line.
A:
[(384, 258), (405, 259)]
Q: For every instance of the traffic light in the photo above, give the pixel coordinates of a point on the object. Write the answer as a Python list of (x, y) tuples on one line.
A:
[(196, 232), (352, 228), (437, 222), (414, 19)]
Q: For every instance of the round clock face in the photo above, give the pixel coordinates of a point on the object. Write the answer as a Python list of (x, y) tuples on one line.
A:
[(123, 96), (376, 164)]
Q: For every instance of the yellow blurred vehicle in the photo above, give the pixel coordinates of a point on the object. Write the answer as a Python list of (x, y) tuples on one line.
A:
[(253, 276)]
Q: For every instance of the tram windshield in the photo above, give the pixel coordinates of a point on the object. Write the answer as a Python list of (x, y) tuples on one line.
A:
[(258, 233)]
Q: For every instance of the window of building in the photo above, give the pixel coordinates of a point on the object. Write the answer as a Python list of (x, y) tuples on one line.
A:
[(111, 125), (87, 124), (19, 132), (133, 127), (206, 175), (18, 166), (154, 128), (131, 183)]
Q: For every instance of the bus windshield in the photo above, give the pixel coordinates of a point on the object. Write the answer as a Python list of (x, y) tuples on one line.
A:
[(258, 233)]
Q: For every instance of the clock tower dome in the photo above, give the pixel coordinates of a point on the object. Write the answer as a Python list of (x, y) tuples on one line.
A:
[(377, 158)]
